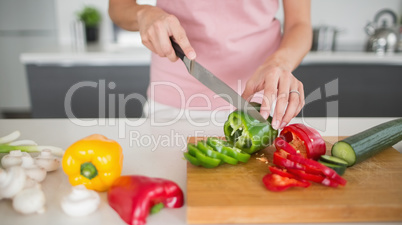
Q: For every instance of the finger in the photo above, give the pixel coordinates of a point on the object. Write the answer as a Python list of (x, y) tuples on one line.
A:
[(166, 46), (281, 101), (291, 108), (301, 99), (270, 93), (249, 90), (147, 43), (179, 35), (153, 37)]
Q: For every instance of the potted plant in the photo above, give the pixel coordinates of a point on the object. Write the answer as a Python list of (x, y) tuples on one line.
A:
[(91, 18)]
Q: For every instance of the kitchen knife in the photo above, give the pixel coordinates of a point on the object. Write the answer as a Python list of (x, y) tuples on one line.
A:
[(216, 85)]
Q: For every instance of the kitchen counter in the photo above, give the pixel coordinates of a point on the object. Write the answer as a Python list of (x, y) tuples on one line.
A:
[(130, 55), (149, 149)]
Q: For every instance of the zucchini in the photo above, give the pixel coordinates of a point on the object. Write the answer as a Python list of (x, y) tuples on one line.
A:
[(333, 160), (339, 169), (365, 144)]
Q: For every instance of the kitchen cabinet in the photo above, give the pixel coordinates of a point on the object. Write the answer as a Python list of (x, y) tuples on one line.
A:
[(86, 91), (357, 90), (344, 84)]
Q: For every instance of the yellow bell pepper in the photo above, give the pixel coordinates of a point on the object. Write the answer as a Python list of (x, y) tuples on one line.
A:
[(94, 161)]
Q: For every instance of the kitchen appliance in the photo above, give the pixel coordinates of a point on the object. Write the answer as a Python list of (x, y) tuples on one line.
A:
[(216, 85), (382, 33), (236, 194), (324, 38), (399, 45)]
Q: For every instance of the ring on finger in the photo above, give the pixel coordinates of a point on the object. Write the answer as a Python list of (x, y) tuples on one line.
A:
[(294, 91)]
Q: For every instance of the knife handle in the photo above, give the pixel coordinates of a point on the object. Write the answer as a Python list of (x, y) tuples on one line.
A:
[(177, 49)]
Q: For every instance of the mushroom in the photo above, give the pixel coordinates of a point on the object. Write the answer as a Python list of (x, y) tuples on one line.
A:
[(30, 200), (33, 171), (12, 159), (47, 161), (80, 202), (12, 181), (29, 183)]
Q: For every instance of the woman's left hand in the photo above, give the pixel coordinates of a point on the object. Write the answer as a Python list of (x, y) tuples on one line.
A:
[(278, 84)]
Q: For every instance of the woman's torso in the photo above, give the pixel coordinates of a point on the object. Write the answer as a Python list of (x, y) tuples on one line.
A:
[(231, 39)]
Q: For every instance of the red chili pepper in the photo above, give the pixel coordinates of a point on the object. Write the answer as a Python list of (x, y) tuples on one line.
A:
[(306, 139), (330, 173), (134, 197), (275, 182)]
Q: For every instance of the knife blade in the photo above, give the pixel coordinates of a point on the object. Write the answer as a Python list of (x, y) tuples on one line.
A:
[(217, 85)]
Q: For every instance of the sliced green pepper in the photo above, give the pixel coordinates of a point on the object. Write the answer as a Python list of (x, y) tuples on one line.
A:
[(247, 133), (193, 160), (225, 148), (209, 151), (203, 159)]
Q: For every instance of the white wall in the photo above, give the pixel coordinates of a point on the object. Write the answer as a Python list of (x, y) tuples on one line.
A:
[(351, 16)]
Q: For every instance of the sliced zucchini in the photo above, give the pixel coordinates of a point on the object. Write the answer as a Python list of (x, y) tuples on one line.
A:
[(339, 169), (333, 160)]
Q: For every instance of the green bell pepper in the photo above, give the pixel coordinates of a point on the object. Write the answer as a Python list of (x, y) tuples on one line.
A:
[(248, 134), (199, 158), (225, 148), (193, 160), (209, 151)]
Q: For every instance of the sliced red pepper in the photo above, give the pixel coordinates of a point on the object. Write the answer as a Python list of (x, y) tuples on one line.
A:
[(281, 172), (330, 173), (306, 139), (307, 176), (134, 197), (275, 182), (329, 182), (280, 159), (312, 170), (282, 144)]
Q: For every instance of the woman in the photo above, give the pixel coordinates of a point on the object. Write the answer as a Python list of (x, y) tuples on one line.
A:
[(239, 41)]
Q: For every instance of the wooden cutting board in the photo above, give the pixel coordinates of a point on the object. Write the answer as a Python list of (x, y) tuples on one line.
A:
[(236, 194)]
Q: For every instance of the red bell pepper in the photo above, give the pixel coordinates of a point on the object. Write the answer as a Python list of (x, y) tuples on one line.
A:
[(328, 172), (305, 139), (282, 144), (280, 159), (134, 197), (275, 182), (284, 148), (329, 182), (307, 176), (281, 172)]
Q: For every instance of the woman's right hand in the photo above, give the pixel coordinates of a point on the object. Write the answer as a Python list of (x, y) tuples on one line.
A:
[(156, 27)]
